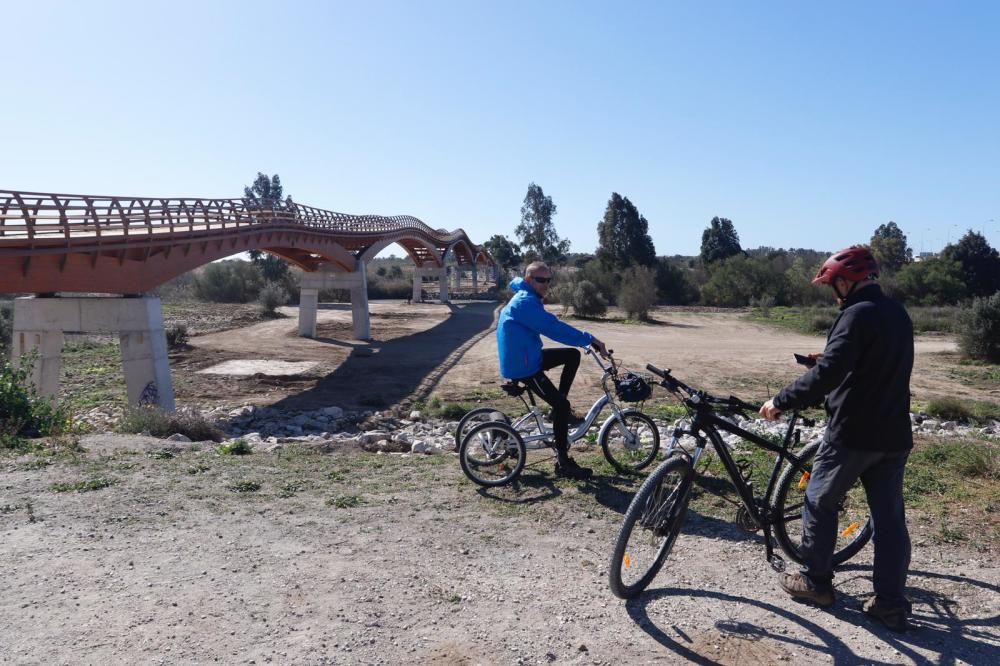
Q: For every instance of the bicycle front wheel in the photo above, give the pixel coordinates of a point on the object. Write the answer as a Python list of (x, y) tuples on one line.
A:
[(854, 526), (650, 527), (474, 418), (631, 442), (492, 454)]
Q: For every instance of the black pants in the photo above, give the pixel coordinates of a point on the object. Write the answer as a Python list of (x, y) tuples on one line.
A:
[(541, 385)]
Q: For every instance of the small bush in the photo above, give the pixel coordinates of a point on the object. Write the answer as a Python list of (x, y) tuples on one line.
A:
[(979, 329), (949, 409), (231, 281), (23, 413), (244, 487), (158, 423), (83, 486), (638, 292), (239, 447), (933, 319), (6, 327), (272, 296), (177, 336), (822, 322), (587, 300)]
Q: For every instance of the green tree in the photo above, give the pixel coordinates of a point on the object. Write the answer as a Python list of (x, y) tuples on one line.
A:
[(979, 329), (267, 192), (536, 231), (719, 241), (740, 279), (505, 253), (623, 235), (980, 263), (890, 249), (936, 281), (638, 292), (673, 285), (264, 188)]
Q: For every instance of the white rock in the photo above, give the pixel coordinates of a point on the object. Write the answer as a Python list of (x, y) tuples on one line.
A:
[(415, 415), (419, 446)]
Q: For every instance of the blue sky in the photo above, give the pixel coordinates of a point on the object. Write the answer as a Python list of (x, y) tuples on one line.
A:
[(807, 124)]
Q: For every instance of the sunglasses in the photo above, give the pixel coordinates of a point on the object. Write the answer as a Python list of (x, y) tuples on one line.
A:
[(542, 280)]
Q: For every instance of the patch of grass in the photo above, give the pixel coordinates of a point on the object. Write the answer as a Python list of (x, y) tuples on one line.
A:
[(198, 469), (345, 501), (92, 374), (84, 485), (809, 320), (238, 447), (955, 409), (289, 489), (933, 319), (245, 486), (162, 454), (158, 423)]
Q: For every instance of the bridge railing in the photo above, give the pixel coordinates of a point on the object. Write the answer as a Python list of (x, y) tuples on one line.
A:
[(29, 216)]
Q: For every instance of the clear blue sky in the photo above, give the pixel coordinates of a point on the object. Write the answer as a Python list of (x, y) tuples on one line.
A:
[(807, 124)]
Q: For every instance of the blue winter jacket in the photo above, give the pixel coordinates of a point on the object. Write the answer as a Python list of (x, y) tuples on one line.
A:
[(522, 320)]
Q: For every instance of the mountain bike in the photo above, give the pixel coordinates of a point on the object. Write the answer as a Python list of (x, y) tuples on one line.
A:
[(655, 516), (492, 447)]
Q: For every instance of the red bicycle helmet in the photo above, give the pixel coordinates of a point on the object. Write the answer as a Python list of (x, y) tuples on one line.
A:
[(854, 263)]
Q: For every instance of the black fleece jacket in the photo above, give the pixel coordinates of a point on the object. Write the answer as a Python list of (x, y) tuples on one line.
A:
[(865, 375)]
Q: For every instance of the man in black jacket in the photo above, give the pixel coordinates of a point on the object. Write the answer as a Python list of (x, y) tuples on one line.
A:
[(864, 372)]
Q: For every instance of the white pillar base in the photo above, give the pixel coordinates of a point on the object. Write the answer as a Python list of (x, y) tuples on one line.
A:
[(418, 284), (39, 323), (308, 305), (356, 282), (443, 295), (359, 304), (475, 279)]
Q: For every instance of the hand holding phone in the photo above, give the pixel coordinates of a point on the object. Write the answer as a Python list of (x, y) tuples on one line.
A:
[(807, 361)]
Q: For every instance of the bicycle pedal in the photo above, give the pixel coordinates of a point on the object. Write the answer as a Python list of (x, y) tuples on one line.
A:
[(778, 563)]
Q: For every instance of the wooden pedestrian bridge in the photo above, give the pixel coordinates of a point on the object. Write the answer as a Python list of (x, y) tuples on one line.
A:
[(61, 246)]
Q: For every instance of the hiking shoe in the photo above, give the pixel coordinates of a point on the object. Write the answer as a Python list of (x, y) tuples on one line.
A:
[(800, 587), (892, 615), (570, 470)]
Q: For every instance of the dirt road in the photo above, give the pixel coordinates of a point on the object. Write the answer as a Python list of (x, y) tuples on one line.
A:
[(450, 351)]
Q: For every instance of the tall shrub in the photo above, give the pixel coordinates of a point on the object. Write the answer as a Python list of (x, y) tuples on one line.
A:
[(587, 300), (638, 292), (22, 412), (979, 329)]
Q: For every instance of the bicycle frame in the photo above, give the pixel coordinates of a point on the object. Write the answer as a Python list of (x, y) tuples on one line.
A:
[(707, 422), (545, 433)]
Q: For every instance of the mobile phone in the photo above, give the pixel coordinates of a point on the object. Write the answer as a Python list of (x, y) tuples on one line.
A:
[(804, 360)]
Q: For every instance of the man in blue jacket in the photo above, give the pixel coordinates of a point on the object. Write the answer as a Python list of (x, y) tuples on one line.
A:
[(522, 322), (864, 372)]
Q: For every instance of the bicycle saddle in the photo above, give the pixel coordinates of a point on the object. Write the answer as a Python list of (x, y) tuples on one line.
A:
[(514, 388)]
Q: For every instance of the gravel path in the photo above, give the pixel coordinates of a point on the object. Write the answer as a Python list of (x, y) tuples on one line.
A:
[(355, 558)]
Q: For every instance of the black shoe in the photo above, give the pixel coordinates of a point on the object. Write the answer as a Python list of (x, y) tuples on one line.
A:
[(575, 420), (891, 615), (570, 470)]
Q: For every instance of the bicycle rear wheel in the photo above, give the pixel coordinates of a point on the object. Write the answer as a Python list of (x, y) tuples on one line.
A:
[(492, 454), (475, 417), (650, 527), (854, 527)]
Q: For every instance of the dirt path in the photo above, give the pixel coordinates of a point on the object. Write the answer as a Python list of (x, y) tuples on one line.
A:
[(313, 558), (450, 351)]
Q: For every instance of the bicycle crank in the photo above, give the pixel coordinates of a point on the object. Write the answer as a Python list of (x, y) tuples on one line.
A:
[(746, 521)]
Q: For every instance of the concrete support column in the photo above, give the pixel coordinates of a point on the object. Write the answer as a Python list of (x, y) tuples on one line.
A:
[(359, 303), (444, 284), (457, 277), (39, 323), (475, 278), (308, 306), (418, 283), (47, 345)]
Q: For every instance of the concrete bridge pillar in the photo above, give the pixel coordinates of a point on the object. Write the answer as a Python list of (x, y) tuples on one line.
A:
[(418, 283), (456, 274), (359, 302), (475, 278), (40, 324), (356, 282), (443, 296), (308, 306)]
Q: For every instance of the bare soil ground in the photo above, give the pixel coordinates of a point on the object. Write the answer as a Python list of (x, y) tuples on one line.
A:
[(422, 350), (136, 550)]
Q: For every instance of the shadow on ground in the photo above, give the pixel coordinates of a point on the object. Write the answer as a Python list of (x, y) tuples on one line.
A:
[(938, 634), (378, 374)]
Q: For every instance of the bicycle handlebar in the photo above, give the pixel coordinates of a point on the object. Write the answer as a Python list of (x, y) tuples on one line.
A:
[(697, 396)]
